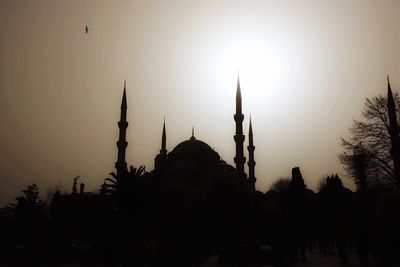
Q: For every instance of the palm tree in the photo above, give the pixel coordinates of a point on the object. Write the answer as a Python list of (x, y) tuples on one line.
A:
[(122, 184)]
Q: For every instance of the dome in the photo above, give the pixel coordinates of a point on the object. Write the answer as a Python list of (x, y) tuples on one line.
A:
[(196, 150), (193, 145)]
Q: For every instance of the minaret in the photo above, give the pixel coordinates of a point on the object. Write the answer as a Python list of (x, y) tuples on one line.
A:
[(161, 159), (394, 133), (120, 165), (252, 178), (239, 137)]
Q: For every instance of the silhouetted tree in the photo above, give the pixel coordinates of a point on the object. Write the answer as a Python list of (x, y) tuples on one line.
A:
[(29, 206), (298, 209), (123, 188), (28, 216), (360, 161), (334, 215), (375, 133), (7, 212), (51, 190), (281, 185), (297, 186), (103, 189), (120, 184), (331, 184)]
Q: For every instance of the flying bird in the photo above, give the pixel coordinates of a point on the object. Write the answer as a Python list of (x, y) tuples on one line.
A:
[(86, 29)]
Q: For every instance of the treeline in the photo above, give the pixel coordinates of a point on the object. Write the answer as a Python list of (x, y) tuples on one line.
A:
[(290, 219)]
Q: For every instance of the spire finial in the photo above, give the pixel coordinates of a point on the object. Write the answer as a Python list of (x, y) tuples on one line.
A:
[(193, 138), (250, 131), (388, 84), (238, 93), (164, 124), (123, 103)]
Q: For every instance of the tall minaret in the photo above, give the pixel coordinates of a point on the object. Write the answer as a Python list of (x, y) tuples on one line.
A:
[(239, 137), (394, 133), (252, 178), (161, 159), (120, 165)]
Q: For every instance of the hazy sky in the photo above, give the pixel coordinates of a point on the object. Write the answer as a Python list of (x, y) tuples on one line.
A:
[(306, 68)]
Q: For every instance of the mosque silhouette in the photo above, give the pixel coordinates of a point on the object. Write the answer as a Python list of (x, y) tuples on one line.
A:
[(189, 205), (193, 166)]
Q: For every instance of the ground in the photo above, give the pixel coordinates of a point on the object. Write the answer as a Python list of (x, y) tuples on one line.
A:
[(314, 259)]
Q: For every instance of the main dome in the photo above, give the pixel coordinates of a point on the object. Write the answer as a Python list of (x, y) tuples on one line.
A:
[(193, 145), (196, 150)]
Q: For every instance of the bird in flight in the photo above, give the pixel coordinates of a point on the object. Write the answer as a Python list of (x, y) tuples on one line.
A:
[(86, 29)]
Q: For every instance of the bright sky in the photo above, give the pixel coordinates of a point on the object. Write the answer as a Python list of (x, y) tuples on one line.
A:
[(305, 67)]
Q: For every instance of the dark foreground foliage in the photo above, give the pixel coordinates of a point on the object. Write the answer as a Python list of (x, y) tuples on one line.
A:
[(155, 227)]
